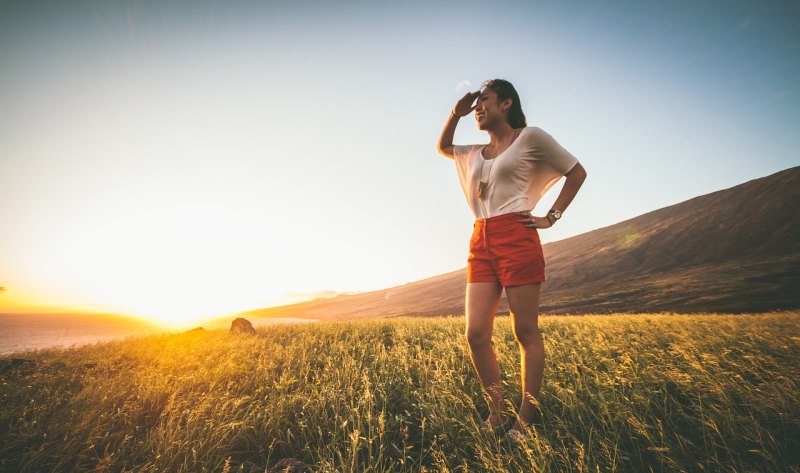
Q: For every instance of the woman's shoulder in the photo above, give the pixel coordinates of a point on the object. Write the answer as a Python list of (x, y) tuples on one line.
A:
[(464, 152), (536, 135), (534, 131), (469, 148)]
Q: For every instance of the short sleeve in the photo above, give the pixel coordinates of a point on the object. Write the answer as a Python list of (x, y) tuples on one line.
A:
[(460, 152), (547, 149)]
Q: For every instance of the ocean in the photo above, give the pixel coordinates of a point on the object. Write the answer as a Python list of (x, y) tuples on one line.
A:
[(22, 332)]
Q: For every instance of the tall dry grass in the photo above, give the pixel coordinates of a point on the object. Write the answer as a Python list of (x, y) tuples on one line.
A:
[(621, 393)]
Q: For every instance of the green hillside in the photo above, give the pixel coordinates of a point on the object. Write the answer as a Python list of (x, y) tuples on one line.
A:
[(622, 393)]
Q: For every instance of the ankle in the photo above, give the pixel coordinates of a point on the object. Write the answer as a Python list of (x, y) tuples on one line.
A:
[(497, 419), (529, 418)]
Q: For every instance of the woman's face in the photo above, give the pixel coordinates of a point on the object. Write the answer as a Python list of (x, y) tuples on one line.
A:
[(488, 112)]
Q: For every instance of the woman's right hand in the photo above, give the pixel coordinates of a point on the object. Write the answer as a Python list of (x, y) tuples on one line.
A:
[(465, 105)]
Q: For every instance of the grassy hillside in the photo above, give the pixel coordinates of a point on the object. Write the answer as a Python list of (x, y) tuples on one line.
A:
[(736, 250), (622, 393)]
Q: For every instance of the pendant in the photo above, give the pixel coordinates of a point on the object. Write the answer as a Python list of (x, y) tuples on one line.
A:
[(481, 189)]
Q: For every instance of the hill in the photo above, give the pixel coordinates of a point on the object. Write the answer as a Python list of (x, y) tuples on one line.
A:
[(734, 250)]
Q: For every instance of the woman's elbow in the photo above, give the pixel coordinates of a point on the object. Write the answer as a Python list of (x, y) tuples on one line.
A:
[(577, 172)]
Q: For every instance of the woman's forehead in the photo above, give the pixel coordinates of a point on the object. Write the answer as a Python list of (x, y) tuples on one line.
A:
[(486, 91)]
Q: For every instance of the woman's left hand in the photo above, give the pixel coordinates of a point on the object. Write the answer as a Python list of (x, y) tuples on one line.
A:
[(531, 221)]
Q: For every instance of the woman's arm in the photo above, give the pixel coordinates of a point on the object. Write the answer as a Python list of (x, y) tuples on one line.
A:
[(463, 107), (575, 178)]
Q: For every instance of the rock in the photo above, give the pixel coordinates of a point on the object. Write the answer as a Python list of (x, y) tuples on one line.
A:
[(289, 465), (195, 331), (242, 326)]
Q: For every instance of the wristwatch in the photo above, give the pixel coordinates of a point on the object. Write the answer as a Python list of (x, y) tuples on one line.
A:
[(555, 213)]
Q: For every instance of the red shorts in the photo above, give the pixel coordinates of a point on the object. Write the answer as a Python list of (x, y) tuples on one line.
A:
[(504, 250)]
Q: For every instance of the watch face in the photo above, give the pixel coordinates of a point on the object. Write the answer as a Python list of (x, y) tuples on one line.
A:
[(557, 214)]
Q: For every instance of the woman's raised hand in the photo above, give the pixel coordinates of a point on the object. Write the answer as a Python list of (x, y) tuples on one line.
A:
[(465, 105)]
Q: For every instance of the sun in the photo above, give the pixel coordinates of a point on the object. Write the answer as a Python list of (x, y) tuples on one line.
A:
[(163, 261)]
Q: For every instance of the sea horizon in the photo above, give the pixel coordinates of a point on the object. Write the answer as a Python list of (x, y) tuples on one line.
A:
[(36, 331)]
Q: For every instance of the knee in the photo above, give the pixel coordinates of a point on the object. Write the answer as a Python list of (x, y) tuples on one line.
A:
[(478, 338), (528, 336)]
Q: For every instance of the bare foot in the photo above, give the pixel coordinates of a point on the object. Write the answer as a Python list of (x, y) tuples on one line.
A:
[(497, 420), (534, 418)]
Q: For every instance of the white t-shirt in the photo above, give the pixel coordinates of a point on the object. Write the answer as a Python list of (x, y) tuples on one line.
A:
[(518, 177)]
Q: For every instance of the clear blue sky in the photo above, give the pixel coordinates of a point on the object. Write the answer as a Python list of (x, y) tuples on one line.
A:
[(231, 153)]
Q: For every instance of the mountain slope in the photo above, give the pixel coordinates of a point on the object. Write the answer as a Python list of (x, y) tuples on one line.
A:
[(735, 250)]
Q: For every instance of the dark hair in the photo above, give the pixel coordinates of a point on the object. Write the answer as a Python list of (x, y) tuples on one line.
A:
[(505, 90)]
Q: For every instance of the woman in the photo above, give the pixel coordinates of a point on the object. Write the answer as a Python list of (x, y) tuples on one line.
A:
[(503, 181)]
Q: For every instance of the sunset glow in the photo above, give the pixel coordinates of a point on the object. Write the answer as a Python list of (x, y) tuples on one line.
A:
[(170, 261)]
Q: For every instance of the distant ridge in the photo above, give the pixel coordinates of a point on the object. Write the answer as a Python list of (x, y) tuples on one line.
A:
[(734, 250)]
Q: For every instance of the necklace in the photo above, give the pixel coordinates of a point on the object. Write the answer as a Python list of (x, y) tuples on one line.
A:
[(484, 183)]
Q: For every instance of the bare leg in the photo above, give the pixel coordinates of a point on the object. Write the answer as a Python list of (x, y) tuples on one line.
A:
[(524, 304), (482, 301)]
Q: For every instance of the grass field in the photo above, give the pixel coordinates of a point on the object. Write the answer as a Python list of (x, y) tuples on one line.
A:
[(621, 393)]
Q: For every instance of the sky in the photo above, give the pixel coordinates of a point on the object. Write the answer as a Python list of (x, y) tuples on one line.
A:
[(177, 160)]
